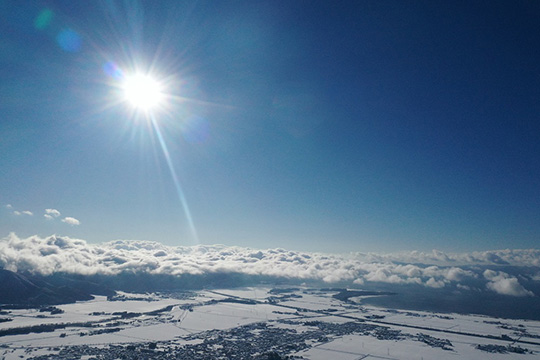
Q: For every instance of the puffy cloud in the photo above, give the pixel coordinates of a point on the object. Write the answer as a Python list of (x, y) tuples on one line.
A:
[(51, 213), (71, 220), (48, 255), (63, 254), (435, 283), (504, 284), (18, 212), (457, 274)]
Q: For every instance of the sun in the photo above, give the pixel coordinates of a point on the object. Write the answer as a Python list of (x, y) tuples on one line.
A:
[(142, 91)]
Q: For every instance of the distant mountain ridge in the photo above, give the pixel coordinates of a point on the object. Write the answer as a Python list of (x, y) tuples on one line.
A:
[(27, 289), (63, 288)]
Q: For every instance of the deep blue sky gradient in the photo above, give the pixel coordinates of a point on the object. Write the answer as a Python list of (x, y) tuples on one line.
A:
[(324, 126)]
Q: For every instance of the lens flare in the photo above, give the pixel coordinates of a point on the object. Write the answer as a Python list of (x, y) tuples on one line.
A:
[(44, 19), (69, 40), (113, 70), (176, 181), (142, 91)]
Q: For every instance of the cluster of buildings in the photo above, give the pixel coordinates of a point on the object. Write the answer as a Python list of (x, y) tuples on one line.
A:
[(253, 341)]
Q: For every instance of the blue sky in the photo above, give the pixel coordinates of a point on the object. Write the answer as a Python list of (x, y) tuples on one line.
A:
[(357, 126)]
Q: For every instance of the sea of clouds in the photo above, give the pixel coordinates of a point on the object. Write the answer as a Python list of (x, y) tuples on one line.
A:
[(482, 271)]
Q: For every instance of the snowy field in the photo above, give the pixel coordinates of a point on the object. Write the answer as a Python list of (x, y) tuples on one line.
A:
[(254, 323)]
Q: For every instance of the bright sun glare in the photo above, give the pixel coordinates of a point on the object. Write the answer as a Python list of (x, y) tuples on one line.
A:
[(142, 91)]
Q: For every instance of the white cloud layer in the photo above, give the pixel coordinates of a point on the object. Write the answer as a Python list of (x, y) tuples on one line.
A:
[(71, 220), (63, 254), (529, 257)]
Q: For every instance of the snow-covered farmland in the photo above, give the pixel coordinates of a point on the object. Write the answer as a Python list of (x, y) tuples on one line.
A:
[(256, 322)]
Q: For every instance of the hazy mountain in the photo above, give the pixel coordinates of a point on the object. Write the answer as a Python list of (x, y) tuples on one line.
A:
[(31, 290)]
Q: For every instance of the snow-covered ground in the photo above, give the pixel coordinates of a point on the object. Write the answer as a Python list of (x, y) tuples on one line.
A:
[(307, 323)]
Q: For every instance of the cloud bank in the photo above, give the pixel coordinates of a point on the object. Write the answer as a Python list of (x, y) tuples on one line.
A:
[(62, 254), (529, 257)]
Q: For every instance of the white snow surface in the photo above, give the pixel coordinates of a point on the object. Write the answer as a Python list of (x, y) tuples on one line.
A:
[(213, 314)]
